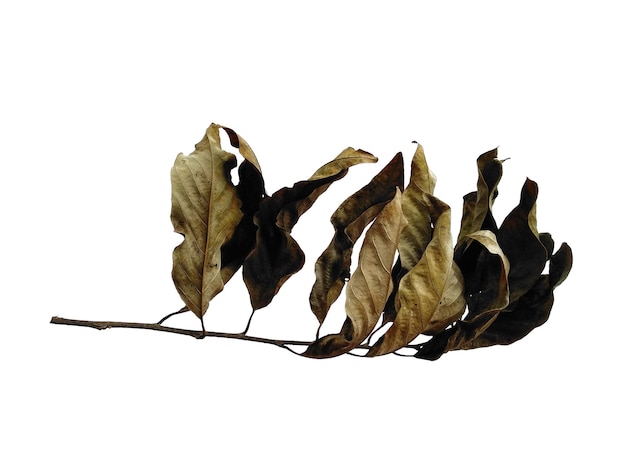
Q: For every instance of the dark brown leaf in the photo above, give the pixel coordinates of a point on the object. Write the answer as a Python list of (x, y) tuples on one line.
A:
[(531, 310), (477, 205), (332, 268), (368, 289), (250, 190), (276, 255), (519, 239)]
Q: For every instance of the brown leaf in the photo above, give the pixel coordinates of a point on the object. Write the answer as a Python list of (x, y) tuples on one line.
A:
[(531, 310), (205, 210), (477, 205), (520, 242), (250, 190), (276, 255), (332, 268), (368, 289), (416, 208), (418, 232), (485, 269), (430, 296)]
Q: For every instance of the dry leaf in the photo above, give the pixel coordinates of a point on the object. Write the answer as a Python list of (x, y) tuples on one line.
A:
[(430, 296), (477, 205), (531, 310), (485, 270), (205, 210), (368, 289), (250, 190), (276, 255), (418, 232), (416, 208), (332, 268), (520, 242)]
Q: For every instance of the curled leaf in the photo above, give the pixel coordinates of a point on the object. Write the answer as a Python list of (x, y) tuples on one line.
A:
[(250, 190), (520, 242), (205, 210), (419, 229), (416, 208), (531, 310), (485, 270), (477, 205), (368, 288), (276, 255), (332, 268), (430, 295)]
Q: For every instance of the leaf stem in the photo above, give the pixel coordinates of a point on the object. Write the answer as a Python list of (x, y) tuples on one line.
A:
[(166, 317)]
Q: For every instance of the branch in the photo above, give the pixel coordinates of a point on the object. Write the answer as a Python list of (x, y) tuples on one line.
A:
[(103, 325)]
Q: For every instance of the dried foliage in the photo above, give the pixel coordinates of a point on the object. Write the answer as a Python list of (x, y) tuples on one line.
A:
[(490, 288), (413, 288)]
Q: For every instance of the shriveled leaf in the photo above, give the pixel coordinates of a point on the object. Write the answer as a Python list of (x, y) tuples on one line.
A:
[(531, 310), (250, 190), (416, 208), (332, 268), (418, 232), (486, 285), (430, 296), (485, 272), (477, 205), (520, 242), (205, 210), (368, 289), (276, 255)]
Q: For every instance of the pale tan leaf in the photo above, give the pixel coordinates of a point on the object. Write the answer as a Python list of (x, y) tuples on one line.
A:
[(347, 158), (368, 289), (430, 295), (205, 210), (370, 285), (332, 268), (486, 270), (418, 231)]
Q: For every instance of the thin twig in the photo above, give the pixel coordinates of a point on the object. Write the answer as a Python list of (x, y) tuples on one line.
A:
[(104, 325)]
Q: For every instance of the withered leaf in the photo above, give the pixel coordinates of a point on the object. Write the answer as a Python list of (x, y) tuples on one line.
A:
[(477, 205), (250, 190), (416, 208), (531, 310), (519, 239), (332, 268), (276, 256), (368, 289), (486, 292), (205, 210), (418, 232), (430, 296)]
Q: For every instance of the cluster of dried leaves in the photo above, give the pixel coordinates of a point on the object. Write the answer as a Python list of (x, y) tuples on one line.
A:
[(492, 287)]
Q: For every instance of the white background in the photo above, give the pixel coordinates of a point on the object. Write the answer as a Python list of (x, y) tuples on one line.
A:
[(96, 101)]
